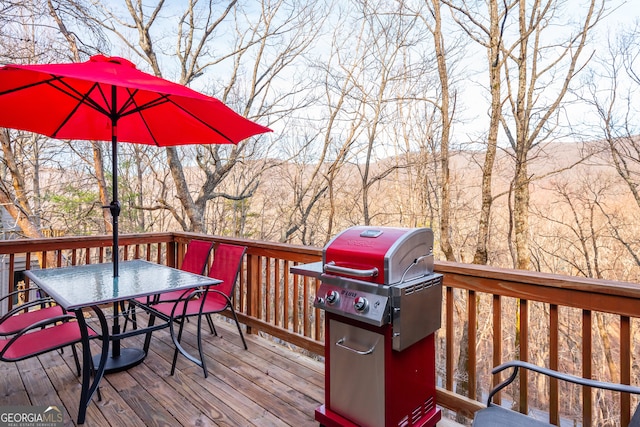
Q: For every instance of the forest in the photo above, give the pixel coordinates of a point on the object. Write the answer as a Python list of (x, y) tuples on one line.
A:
[(508, 127)]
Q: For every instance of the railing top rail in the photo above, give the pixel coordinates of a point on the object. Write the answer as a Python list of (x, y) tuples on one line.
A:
[(513, 276), (557, 289), (77, 242)]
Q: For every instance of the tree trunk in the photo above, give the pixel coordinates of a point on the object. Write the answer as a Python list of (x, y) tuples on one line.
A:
[(481, 255), (521, 217), (194, 213), (445, 210), (98, 164)]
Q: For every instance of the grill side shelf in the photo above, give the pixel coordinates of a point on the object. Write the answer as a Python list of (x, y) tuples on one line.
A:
[(416, 310), (313, 269)]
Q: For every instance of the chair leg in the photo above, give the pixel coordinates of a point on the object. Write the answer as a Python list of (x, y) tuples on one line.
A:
[(129, 312), (200, 351), (134, 320), (238, 325), (93, 374), (175, 353), (75, 358), (211, 326)]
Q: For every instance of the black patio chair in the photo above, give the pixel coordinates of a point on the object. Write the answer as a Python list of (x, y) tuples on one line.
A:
[(22, 317), (497, 416)]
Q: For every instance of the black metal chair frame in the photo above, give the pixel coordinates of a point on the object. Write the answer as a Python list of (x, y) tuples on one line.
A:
[(497, 416)]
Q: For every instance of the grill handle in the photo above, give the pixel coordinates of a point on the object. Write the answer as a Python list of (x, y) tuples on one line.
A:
[(340, 343), (331, 267), (415, 262)]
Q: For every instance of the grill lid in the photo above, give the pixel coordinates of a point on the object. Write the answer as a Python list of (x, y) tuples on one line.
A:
[(382, 255)]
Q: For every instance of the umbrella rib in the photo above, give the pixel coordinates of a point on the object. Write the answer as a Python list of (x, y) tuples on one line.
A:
[(122, 112), (71, 92), (162, 99), (201, 121), (30, 85), (166, 98), (79, 96), (83, 99)]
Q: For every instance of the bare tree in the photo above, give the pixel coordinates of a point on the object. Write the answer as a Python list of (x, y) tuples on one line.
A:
[(23, 40), (487, 34), (611, 89), (446, 109), (60, 12), (538, 76), (253, 51)]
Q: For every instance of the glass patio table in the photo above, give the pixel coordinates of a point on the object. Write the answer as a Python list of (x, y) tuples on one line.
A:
[(91, 286)]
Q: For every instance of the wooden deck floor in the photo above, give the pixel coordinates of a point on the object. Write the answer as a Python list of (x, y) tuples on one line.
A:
[(266, 385)]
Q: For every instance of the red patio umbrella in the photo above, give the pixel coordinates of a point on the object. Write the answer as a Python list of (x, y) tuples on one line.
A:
[(108, 98)]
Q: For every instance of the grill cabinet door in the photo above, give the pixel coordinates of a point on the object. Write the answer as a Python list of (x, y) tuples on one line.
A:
[(357, 374)]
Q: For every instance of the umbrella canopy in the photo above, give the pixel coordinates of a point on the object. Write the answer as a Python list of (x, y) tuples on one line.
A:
[(84, 101)]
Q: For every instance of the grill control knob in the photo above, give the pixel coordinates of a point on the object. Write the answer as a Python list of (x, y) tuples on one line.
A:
[(332, 297), (361, 305)]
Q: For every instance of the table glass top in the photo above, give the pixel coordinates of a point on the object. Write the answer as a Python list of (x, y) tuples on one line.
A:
[(85, 285)]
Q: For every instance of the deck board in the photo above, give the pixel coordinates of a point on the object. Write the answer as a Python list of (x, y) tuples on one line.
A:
[(266, 385)]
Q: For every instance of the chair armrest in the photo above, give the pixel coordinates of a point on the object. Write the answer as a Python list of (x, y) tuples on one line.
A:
[(19, 291), (516, 364), (37, 325), (186, 295), (28, 304)]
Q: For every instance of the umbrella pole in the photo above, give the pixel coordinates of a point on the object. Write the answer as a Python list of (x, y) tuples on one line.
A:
[(115, 213), (121, 358), (115, 205)]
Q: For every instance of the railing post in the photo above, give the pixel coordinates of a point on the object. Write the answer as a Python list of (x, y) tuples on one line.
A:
[(12, 281), (253, 283)]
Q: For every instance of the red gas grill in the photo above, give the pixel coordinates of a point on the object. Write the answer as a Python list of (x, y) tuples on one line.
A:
[(383, 304)]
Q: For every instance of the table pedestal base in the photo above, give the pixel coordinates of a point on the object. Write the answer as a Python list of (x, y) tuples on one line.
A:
[(129, 357)]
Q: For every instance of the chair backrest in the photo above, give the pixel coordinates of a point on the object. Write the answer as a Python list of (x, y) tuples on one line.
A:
[(197, 256), (227, 261)]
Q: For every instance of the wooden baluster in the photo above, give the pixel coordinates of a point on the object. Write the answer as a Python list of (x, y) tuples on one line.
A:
[(449, 338), (497, 341), (554, 402), (277, 283), (267, 288), (296, 297), (587, 351), (287, 286), (472, 326), (625, 368), (524, 354)]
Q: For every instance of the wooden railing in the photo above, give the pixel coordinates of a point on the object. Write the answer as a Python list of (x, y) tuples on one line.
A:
[(490, 315)]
